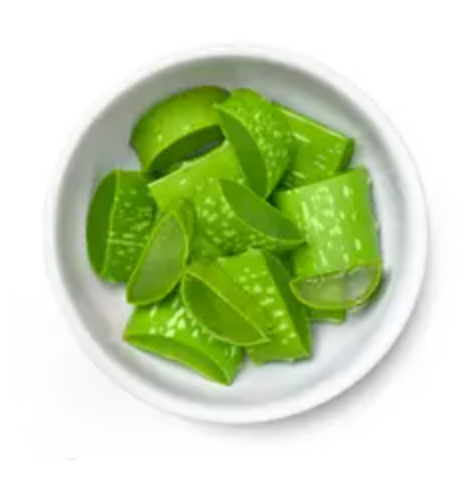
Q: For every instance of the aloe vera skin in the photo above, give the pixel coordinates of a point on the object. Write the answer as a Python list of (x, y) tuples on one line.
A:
[(225, 310), (337, 221), (235, 219), (261, 136), (321, 151), (120, 218), (164, 258), (167, 330), (192, 176), (261, 275), (177, 127)]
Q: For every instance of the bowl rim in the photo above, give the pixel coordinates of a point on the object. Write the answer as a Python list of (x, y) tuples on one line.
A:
[(315, 396)]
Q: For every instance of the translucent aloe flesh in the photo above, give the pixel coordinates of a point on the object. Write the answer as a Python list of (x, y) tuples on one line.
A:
[(120, 217), (164, 258), (262, 276), (321, 151), (234, 219), (177, 127), (340, 264), (321, 316), (223, 308), (166, 329), (261, 137), (191, 177)]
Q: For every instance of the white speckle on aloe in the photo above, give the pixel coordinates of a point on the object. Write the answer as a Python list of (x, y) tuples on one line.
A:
[(346, 258), (170, 333), (342, 215), (208, 200), (279, 313), (347, 191), (330, 245), (182, 324), (183, 182), (152, 330), (153, 311), (267, 301), (282, 327), (353, 216), (195, 333), (270, 290), (298, 174), (292, 335), (234, 351), (257, 289), (323, 258), (317, 224), (335, 231), (229, 233), (328, 213), (285, 341), (212, 217), (358, 244)]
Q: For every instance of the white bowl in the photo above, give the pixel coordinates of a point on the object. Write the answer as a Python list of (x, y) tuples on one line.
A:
[(343, 354)]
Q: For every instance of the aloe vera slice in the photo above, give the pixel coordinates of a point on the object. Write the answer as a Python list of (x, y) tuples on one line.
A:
[(226, 311), (261, 275), (120, 217), (175, 128), (336, 219), (190, 178), (321, 151), (261, 137), (164, 258), (321, 316), (166, 329), (234, 218)]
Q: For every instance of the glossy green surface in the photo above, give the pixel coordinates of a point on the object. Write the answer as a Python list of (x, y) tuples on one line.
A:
[(191, 177), (177, 127), (222, 307), (234, 219), (120, 218), (166, 329), (261, 136), (163, 261), (321, 151), (337, 221), (262, 276)]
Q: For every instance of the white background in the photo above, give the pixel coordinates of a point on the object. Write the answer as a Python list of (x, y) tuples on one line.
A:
[(415, 415)]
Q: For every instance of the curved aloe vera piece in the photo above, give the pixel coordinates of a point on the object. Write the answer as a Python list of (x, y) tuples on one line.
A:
[(337, 221), (225, 310), (323, 316), (261, 275), (163, 260), (234, 219), (177, 127), (261, 137), (321, 151), (190, 178), (167, 330), (120, 217)]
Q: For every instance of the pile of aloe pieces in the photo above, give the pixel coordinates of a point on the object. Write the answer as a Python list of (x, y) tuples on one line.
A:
[(243, 226)]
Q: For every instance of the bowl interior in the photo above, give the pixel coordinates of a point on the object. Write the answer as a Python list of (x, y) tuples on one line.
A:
[(101, 310)]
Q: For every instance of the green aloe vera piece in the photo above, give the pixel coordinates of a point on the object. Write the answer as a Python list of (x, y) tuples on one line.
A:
[(261, 275), (321, 151), (120, 217), (166, 329), (340, 265), (261, 137), (175, 128), (224, 309), (190, 178), (321, 316), (234, 218), (164, 258)]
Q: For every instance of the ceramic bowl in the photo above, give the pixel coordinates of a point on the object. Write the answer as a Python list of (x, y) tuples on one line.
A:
[(343, 354)]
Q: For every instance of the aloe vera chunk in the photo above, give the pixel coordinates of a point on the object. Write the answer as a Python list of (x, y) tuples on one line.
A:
[(321, 151), (226, 311), (191, 177), (120, 217), (234, 218), (177, 127), (166, 329), (340, 265), (261, 275), (164, 258), (261, 136)]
